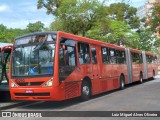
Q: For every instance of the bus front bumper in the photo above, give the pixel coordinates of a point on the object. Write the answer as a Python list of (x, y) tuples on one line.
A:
[(36, 94)]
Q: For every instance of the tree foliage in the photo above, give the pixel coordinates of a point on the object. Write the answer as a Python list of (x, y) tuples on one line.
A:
[(77, 17), (91, 18), (148, 41), (155, 17), (116, 32), (9, 34), (35, 27), (124, 12), (50, 5)]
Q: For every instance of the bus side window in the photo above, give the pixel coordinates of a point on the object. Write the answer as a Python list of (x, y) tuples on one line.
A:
[(140, 57), (83, 52), (61, 57), (120, 57), (94, 56), (67, 57), (155, 60), (105, 56), (137, 58), (70, 56), (149, 59), (152, 60), (118, 54), (123, 57), (112, 56), (133, 58)]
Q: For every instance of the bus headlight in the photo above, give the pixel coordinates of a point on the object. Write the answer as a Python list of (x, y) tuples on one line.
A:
[(13, 85), (49, 83)]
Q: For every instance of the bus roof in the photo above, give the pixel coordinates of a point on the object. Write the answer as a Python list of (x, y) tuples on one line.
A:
[(5, 48), (135, 50), (150, 53), (4, 44), (84, 39), (36, 33), (92, 41), (76, 37)]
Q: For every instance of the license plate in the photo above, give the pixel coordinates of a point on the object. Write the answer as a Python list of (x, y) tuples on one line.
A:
[(29, 91)]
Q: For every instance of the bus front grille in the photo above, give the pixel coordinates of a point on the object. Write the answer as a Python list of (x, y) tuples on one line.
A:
[(30, 83), (33, 94)]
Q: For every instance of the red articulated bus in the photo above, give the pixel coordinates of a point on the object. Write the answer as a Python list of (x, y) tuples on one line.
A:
[(4, 71), (58, 66)]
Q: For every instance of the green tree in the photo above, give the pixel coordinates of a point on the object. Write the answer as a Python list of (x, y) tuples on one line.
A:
[(2, 28), (50, 5), (11, 34), (155, 17), (124, 12), (93, 19), (35, 27), (8, 35), (73, 16), (148, 41), (80, 16), (116, 32), (2, 32)]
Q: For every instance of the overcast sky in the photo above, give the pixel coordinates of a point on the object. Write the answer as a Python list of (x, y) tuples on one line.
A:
[(18, 13)]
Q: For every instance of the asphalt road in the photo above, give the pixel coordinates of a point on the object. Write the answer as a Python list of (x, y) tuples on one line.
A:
[(135, 97)]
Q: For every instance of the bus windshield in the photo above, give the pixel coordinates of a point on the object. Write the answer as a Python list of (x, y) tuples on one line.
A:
[(33, 59)]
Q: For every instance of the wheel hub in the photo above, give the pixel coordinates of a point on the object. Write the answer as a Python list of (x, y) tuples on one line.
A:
[(85, 90)]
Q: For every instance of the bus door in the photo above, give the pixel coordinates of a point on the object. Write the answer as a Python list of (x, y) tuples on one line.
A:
[(5, 54), (4, 82), (95, 70)]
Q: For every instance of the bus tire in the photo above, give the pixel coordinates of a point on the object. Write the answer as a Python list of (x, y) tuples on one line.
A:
[(141, 78), (122, 83), (85, 91)]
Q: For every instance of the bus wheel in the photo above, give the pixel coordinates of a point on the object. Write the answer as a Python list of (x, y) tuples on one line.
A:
[(122, 82), (141, 78), (85, 91)]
